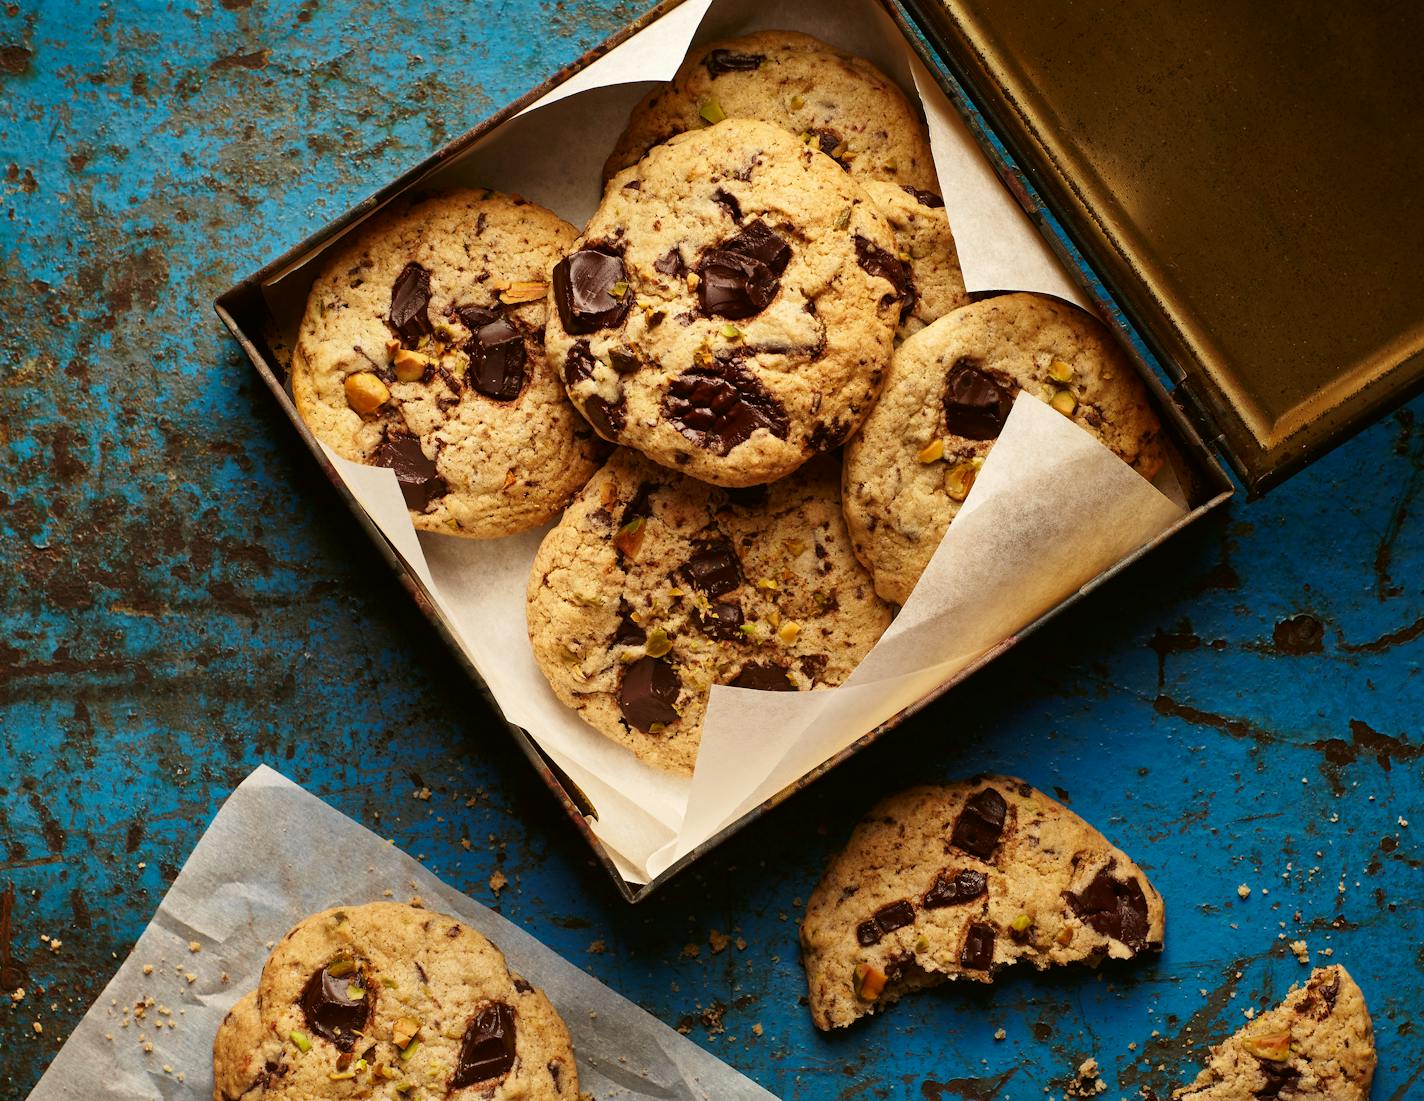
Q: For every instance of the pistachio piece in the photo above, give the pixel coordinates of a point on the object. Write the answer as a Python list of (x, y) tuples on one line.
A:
[(789, 630), (301, 1040), (711, 111), (959, 480), (658, 644), (527, 291), (409, 1050), (1064, 402), (1065, 936), (366, 393), (932, 451), (843, 219), (731, 332), (404, 1030), (338, 1075), (796, 102), (1271, 1046), (868, 981), (1021, 923), (629, 538), (339, 969), (1059, 371), (767, 584)]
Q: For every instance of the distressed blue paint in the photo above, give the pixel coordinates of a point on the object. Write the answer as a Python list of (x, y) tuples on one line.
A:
[(184, 598)]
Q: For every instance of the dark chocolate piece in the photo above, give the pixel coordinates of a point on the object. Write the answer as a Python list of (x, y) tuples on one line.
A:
[(1330, 991), (584, 283), (497, 360), (978, 951), (647, 694), (475, 318), (670, 263), (764, 678), (633, 185), (608, 418), (624, 362), (975, 405), (720, 405), (723, 620), (725, 61), (1113, 907), (741, 276), (925, 198), (868, 933), (828, 141), (410, 295), (487, 1051), (1278, 1076), (714, 568), (728, 202), (640, 504), (980, 824), (628, 632), (813, 666), (947, 890), (877, 262), (420, 482), (895, 915), (330, 1010)]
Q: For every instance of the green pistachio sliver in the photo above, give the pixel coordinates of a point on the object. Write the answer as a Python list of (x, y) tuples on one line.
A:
[(731, 332), (658, 644), (339, 968), (619, 289), (410, 1049), (712, 111), (844, 219), (354, 992), (300, 1039)]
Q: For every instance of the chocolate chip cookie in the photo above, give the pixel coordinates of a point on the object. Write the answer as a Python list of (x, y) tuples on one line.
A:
[(1317, 1045), (731, 307), (390, 1001), (946, 398), (835, 102), (926, 246), (422, 350), (956, 882), (654, 587)]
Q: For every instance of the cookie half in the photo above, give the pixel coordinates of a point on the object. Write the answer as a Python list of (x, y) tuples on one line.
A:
[(946, 397), (926, 246), (731, 307), (422, 349), (391, 1001), (1317, 1045), (958, 881), (654, 587), (836, 102)]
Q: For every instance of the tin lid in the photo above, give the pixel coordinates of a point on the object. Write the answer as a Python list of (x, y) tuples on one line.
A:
[(1247, 180)]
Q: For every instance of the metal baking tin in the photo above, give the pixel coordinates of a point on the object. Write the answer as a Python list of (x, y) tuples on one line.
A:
[(244, 310), (1246, 180)]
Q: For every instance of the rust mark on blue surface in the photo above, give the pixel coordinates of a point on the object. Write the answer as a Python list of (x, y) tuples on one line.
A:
[(971, 1089)]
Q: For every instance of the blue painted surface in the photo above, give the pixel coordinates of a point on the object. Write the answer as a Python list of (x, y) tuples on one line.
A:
[(184, 598)]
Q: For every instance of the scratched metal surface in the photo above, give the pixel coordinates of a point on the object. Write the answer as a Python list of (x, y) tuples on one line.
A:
[(183, 598)]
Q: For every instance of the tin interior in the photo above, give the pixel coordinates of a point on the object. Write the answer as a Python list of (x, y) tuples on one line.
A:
[(261, 310), (1244, 177)]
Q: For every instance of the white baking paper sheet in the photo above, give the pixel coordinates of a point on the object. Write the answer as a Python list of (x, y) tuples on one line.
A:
[(273, 855), (1050, 511)]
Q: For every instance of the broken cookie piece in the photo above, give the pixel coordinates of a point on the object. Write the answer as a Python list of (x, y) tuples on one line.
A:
[(960, 880), (1317, 1045)]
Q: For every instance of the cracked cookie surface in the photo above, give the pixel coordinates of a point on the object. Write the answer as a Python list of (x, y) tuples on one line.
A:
[(958, 881), (946, 397), (730, 309), (842, 104), (422, 349), (388, 1001), (1317, 1045), (654, 587)]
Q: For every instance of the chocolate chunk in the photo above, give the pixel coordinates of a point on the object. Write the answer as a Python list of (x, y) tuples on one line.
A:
[(868, 933), (1114, 908), (728, 202), (925, 198), (497, 360), (813, 666), (475, 318), (895, 915), (764, 678), (330, 1009), (633, 185), (828, 435), (723, 620), (1278, 1076), (670, 263), (410, 297), (487, 1051), (624, 362), (980, 824), (725, 61), (647, 694), (947, 890), (628, 632), (978, 950), (1330, 991), (828, 141), (714, 568), (420, 482), (975, 405), (579, 363), (584, 286), (608, 418), (640, 504), (720, 405), (879, 263), (741, 276)]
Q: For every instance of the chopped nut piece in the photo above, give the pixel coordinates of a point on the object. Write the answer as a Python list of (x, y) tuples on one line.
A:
[(959, 480), (366, 393), (731, 332), (410, 366), (843, 220), (1064, 402), (767, 584), (658, 643), (797, 102), (525, 292), (1274, 1046), (300, 1039), (869, 981), (409, 1050), (1065, 936), (933, 451), (629, 538), (404, 1030), (1059, 371), (789, 630), (1021, 923), (712, 111)]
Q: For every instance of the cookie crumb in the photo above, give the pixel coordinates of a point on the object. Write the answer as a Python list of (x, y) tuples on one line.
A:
[(194, 946), (1301, 950), (498, 881), (1243, 891), (718, 941), (691, 951), (1000, 1034), (597, 947), (757, 1030), (423, 794)]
